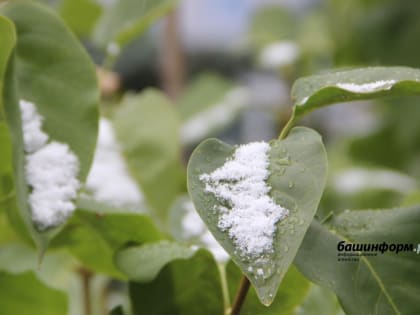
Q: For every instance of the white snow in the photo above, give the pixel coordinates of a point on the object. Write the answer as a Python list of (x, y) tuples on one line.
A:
[(194, 227), (279, 54), (250, 214), (33, 136), (217, 116), (51, 171), (113, 49), (109, 179), (358, 179), (367, 87)]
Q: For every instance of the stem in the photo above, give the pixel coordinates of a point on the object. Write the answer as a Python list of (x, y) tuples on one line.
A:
[(287, 127), (240, 296), (172, 58), (225, 289), (86, 276)]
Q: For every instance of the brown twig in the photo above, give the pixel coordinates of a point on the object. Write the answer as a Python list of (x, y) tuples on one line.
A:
[(86, 277), (240, 296), (172, 58)]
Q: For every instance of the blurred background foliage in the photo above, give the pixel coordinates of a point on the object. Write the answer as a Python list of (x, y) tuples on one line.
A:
[(173, 73)]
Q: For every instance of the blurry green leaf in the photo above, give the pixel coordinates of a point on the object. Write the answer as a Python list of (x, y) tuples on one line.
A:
[(272, 24), (298, 166), (80, 15), (94, 236), (52, 70), (292, 292), (147, 126), (143, 263), (203, 92), (25, 294), (128, 19), (183, 287), (316, 91), (7, 193), (383, 284), (209, 104), (412, 199), (320, 301), (117, 311), (7, 233)]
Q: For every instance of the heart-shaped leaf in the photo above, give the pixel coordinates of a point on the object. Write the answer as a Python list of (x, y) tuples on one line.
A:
[(317, 91), (263, 244)]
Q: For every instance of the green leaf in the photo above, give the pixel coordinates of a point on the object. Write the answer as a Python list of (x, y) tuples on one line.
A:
[(51, 69), (143, 263), (203, 92), (117, 310), (383, 284), (317, 91), (25, 294), (183, 287), (94, 236), (272, 24), (147, 126), (7, 193), (209, 104), (128, 19), (320, 301), (291, 294), (298, 166), (80, 15), (54, 71)]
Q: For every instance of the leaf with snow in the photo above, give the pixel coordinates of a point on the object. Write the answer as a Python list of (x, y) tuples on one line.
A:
[(109, 180), (61, 81), (259, 199), (51, 171), (317, 91)]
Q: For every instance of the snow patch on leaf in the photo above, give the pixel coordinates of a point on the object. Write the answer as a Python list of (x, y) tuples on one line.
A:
[(367, 87), (248, 214), (51, 172)]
